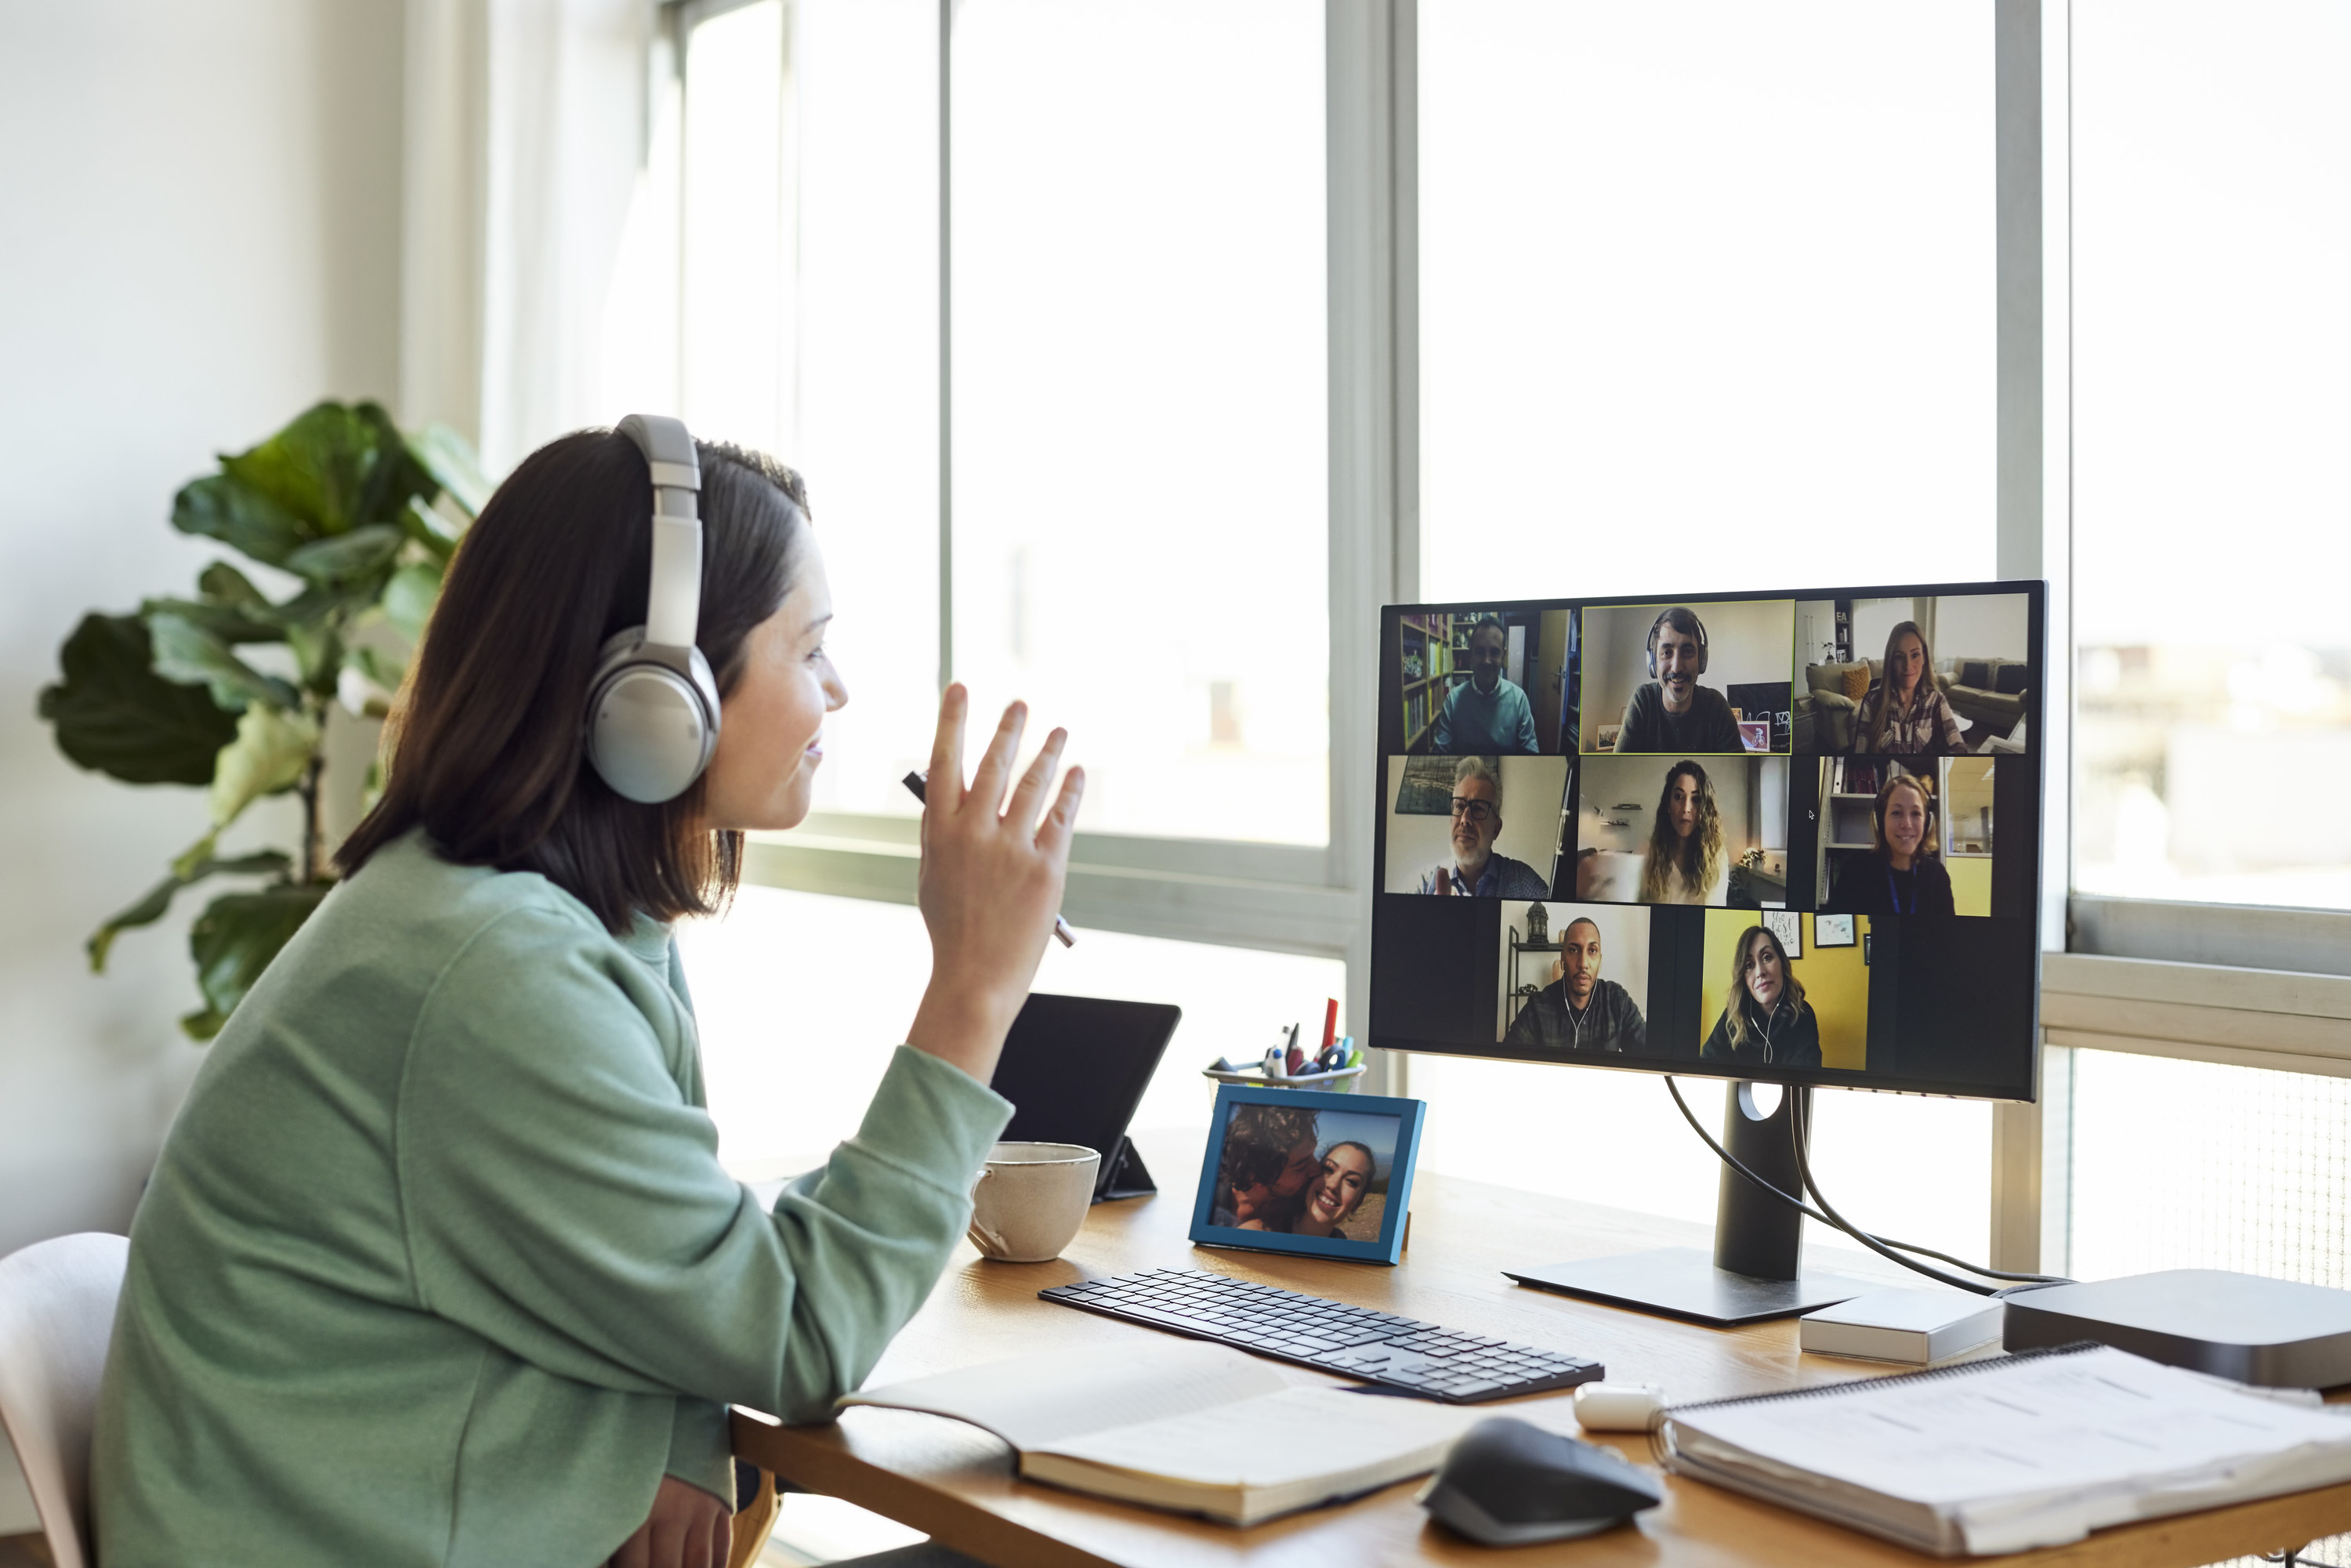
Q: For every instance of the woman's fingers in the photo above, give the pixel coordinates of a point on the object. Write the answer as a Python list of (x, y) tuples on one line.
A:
[(1030, 793), (1061, 821), (987, 780), (944, 788)]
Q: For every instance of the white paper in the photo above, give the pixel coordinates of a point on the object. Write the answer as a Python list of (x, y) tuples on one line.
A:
[(1296, 1435), (1033, 1400)]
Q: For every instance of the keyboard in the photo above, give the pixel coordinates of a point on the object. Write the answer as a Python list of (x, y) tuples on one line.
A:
[(1353, 1342)]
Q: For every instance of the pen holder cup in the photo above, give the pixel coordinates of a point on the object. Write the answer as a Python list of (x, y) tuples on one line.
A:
[(1031, 1199)]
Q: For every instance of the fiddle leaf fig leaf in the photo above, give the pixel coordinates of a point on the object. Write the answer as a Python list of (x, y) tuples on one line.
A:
[(427, 526), (271, 752), (188, 654), (316, 469), (229, 624), (347, 558), (219, 507), (158, 900), (409, 598), (224, 584), (451, 461), (112, 712), (233, 942)]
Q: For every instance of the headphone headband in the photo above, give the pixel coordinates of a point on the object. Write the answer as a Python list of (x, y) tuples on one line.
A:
[(652, 704), (673, 600)]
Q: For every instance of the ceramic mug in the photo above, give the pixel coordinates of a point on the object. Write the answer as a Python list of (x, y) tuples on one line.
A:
[(1031, 1199)]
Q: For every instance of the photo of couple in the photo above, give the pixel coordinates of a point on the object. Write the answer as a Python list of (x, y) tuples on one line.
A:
[(1302, 1172)]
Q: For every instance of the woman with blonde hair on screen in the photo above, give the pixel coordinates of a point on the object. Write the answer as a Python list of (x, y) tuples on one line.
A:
[(1902, 875), (1905, 713), (1767, 1021), (1683, 862)]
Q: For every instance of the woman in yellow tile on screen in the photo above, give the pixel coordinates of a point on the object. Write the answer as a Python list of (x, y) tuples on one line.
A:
[(1767, 1021), (1905, 713), (1683, 862), (1902, 875), (438, 1264)]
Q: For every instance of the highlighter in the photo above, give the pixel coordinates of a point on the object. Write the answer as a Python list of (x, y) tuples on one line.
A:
[(913, 782)]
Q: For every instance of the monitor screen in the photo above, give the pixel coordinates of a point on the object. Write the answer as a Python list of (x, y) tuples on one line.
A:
[(1750, 835)]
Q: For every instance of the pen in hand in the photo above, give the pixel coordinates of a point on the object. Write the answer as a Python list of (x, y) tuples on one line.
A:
[(913, 782)]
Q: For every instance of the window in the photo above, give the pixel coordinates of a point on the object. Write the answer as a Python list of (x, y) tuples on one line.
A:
[(1140, 473), (2210, 331), (1706, 294), (784, 1088)]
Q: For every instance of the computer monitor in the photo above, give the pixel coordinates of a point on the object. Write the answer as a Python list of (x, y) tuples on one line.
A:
[(1788, 837)]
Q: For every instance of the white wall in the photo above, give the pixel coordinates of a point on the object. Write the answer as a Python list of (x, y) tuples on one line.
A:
[(1532, 787), (1874, 620), (199, 236), (1981, 625), (1746, 640)]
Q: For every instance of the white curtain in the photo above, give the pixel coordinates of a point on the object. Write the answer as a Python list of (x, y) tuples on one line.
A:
[(527, 130)]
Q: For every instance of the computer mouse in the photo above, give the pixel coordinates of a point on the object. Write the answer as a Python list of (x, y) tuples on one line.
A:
[(1507, 1483)]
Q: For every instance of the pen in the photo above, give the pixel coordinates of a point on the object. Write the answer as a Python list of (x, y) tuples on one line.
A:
[(913, 782)]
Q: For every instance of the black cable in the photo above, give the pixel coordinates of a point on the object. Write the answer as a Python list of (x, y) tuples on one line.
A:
[(1803, 1208), (1804, 1169)]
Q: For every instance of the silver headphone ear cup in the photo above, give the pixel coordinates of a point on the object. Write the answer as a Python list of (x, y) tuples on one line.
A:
[(652, 727)]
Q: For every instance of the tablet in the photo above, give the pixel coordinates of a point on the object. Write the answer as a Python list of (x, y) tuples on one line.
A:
[(1075, 1069)]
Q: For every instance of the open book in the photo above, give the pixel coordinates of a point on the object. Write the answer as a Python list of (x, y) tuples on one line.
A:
[(1196, 1427), (2036, 1449)]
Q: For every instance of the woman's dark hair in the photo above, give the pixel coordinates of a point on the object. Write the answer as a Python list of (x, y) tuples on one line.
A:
[(486, 748)]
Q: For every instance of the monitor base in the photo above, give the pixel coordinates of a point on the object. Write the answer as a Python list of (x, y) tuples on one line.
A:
[(1683, 1282)]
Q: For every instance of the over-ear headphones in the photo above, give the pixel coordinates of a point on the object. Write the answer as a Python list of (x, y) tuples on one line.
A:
[(1659, 625), (652, 704)]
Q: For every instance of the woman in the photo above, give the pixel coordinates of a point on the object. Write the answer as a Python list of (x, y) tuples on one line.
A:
[(1683, 862), (438, 1263), (1338, 1191), (1905, 713), (1767, 1022), (1902, 875)]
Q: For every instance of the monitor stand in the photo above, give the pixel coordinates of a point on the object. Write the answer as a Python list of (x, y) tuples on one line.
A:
[(1754, 1274)]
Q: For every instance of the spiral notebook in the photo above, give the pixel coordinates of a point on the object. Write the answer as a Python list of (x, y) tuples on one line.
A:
[(2028, 1450)]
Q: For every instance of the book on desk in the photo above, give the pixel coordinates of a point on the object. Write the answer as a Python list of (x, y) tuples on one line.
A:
[(1198, 1429)]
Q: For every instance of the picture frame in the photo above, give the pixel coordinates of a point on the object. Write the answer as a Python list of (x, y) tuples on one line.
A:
[(1426, 788), (1788, 926), (1832, 931), (1388, 1127)]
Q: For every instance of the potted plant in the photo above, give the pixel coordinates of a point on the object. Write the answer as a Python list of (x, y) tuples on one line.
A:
[(229, 689)]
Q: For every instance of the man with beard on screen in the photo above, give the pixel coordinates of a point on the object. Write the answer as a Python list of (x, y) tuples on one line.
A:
[(1579, 1010), (1477, 871)]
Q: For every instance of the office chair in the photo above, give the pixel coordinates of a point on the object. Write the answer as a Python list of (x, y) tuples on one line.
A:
[(56, 1314)]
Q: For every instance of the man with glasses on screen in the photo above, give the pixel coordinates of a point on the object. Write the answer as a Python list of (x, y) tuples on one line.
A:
[(1579, 1010), (1489, 713), (1476, 871)]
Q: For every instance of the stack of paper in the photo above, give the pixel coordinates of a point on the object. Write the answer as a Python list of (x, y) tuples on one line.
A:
[(2000, 1456)]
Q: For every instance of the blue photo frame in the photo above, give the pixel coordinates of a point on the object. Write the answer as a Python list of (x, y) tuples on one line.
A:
[(1362, 1120)]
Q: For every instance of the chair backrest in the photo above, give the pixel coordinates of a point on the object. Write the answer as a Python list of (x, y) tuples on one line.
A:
[(57, 1314)]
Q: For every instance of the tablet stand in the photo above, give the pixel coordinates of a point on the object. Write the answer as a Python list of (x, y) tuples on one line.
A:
[(1754, 1275), (1123, 1174)]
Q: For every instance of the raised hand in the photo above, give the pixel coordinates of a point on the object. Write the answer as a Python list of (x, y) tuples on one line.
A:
[(990, 883)]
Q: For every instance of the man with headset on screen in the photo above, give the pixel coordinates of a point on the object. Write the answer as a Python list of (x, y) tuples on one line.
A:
[(1477, 871), (1488, 713), (1672, 712), (1579, 1010)]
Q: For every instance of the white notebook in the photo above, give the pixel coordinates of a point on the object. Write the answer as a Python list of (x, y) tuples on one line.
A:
[(1197, 1428), (2031, 1451)]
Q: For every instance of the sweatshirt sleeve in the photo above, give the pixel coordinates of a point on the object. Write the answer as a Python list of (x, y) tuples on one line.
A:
[(564, 1199), (1632, 719), (1529, 744), (1719, 1042)]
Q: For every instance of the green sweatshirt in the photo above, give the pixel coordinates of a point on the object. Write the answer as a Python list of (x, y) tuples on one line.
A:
[(438, 1264)]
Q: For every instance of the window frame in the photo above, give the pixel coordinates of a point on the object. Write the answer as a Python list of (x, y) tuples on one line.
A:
[(2253, 987)]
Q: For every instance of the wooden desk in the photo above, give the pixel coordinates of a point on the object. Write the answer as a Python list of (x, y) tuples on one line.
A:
[(957, 1483)]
